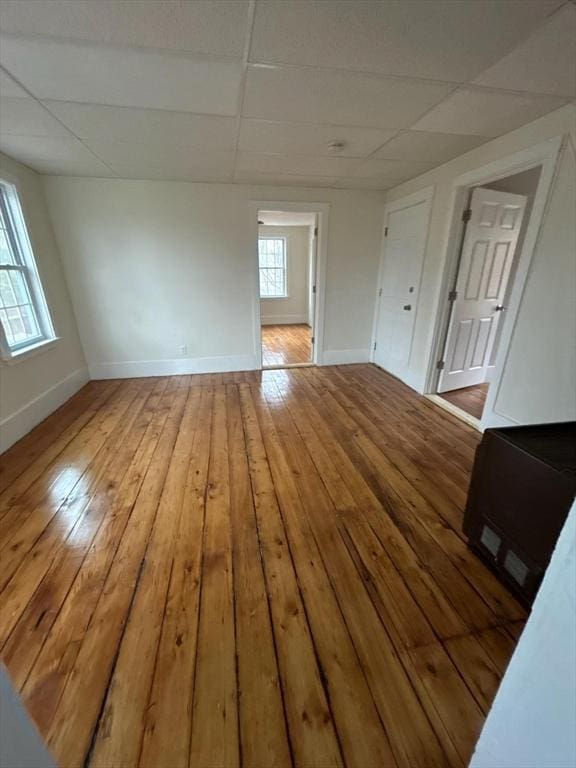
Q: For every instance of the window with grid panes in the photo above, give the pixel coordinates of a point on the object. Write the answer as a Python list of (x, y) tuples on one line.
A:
[(23, 311), (272, 263)]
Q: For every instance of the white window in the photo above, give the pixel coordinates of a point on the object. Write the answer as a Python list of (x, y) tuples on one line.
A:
[(272, 262), (24, 318)]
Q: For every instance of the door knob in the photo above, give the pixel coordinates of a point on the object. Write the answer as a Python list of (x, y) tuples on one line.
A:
[(499, 308)]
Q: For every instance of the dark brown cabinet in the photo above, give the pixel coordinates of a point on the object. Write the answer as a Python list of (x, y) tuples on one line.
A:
[(523, 484)]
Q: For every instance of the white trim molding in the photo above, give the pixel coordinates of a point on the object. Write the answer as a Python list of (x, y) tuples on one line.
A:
[(18, 424), (345, 356), (135, 369), (284, 319)]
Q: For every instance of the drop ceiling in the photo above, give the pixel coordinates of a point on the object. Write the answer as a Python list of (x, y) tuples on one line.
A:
[(256, 92)]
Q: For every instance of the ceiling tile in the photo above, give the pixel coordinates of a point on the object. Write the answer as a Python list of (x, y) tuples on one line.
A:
[(26, 117), (444, 40), (308, 139), (202, 26), (341, 98), (170, 172), (125, 77), (146, 126), (163, 155), (300, 164), (428, 147), (485, 113), (10, 88), (28, 149), (357, 183), (545, 63), (283, 180), (392, 171), (62, 167)]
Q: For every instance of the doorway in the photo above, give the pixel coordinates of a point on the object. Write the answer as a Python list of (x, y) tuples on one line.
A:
[(495, 221), (288, 286)]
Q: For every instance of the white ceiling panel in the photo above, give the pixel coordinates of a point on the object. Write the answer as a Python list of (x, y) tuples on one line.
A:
[(365, 183), (391, 170), (428, 147), (146, 126), (29, 149), (164, 155), (124, 77), (300, 164), (485, 113), (341, 98), (202, 26), (545, 63), (447, 40), (62, 167), (26, 117), (308, 139), (283, 180), (170, 172), (10, 88)]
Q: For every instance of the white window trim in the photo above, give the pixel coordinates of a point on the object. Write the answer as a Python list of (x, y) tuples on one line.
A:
[(286, 294), (34, 281)]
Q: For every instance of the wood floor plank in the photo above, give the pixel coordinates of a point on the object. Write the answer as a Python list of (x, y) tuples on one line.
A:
[(263, 734), (351, 701), (312, 735), (215, 729), (86, 661), (119, 738), (252, 570), (168, 722)]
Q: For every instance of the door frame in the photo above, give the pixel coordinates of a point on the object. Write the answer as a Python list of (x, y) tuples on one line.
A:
[(426, 196), (322, 210), (545, 154)]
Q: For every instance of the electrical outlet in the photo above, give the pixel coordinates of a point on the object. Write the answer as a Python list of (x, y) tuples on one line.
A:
[(183, 350)]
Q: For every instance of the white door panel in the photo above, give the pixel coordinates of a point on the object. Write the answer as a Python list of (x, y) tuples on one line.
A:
[(485, 263), (400, 285)]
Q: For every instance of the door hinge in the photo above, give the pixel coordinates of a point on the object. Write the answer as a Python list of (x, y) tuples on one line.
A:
[(380, 292), (313, 289), (467, 215), (312, 340), (440, 365), (315, 231), (453, 295), (385, 231), (375, 345)]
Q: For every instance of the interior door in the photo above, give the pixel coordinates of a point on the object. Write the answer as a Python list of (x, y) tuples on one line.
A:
[(405, 244), (486, 259)]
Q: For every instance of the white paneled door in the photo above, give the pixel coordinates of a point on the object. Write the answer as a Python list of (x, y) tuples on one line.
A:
[(477, 306), (405, 243)]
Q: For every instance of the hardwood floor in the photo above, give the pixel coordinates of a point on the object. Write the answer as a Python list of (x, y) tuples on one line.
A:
[(469, 399), (286, 344), (249, 569)]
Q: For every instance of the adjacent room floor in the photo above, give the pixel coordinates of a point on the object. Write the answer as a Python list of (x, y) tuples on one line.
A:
[(469, 399), (286, 344), (249, 569)]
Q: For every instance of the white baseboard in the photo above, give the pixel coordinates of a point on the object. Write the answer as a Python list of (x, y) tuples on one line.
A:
[(283, 319), (177, 367), (18, 424), (345, 356)]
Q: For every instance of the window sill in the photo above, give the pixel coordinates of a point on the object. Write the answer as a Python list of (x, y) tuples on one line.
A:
[(274, 298), (31, 351)]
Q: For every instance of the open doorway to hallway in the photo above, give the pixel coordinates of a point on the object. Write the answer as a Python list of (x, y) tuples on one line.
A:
[(496, 220), (287, 244)]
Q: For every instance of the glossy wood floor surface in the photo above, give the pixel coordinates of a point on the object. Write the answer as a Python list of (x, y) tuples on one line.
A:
[(469, 399), (249, 569), (286, 344)]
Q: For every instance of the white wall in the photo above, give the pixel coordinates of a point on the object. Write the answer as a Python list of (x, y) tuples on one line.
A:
[(33, 387), (153, 266), (294, 308), (539, 383), (532, 723)]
